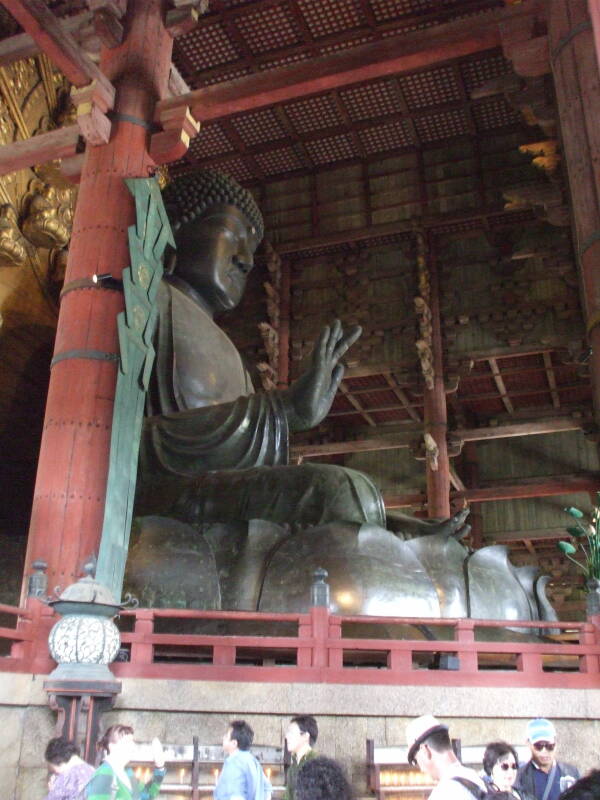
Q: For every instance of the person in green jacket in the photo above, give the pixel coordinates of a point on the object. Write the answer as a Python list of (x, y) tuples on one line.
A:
[(114, 780), (300, 739)]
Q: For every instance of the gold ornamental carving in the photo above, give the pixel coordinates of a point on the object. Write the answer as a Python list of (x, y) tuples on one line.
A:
[(13, 247), (49, 216)]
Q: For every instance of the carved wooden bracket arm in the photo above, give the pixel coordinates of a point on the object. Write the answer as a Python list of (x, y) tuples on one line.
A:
[(178, 128), (93, 102)]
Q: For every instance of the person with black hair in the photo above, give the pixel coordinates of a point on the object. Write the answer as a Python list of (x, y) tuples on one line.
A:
[(430, 747), (322, 779), (242, 777), (300, 738), (115, 779), (500, 764), (543, 776), (586, 788), (70, 774)]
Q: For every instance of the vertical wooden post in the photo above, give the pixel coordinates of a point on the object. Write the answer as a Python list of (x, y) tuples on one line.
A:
[(435, 411), (283, 376), (574, 61), (68, 506)]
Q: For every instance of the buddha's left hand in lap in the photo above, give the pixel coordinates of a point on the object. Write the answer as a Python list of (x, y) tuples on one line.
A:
[(308, 400)]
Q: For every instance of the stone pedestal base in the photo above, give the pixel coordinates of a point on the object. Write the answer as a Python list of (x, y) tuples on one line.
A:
[(79, 705)]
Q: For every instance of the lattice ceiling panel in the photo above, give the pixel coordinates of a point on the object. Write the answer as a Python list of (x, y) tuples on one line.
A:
[(479, 70), (323, 19), (386, 137), (334, 148), (237, 168), (211, 141), (370, 100), (430, 88), (268, 28), (344, 44), (443, 125), (258, 126), (493, 112), (207, 46), (313, 114), (273, 162)]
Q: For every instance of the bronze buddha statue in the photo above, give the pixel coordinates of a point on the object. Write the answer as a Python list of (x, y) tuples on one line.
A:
[(222, 520)]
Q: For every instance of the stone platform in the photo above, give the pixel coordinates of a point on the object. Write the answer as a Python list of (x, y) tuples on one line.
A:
[(347, 715)]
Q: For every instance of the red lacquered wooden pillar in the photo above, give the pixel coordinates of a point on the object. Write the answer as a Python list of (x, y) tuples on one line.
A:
[(435, 410), (70, 488), (574, 63)]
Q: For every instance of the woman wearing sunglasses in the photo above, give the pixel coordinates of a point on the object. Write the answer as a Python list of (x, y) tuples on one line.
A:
[(501, 764)]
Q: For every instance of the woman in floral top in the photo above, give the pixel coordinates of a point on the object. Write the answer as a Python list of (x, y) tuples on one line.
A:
[(70, 775), (114, 780)]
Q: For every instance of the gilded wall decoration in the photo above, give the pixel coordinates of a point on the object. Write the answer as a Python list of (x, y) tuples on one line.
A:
[(13, 247), (49, 216)]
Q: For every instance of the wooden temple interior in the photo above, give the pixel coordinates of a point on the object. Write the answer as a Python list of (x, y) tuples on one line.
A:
[(409, 159)]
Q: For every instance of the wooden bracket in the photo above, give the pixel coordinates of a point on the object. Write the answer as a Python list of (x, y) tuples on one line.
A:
[(172, 143), (92, 103), (106, 16), (184, 16)]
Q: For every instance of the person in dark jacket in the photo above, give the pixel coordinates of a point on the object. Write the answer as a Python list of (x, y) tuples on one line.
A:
[(500, 764), (543, 776)]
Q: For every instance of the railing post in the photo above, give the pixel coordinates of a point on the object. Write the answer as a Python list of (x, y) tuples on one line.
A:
[(399, 661), (143, 652), (589, 636), (224, 654), (336, 654), (304, 652), (319, 617), (465, 635)]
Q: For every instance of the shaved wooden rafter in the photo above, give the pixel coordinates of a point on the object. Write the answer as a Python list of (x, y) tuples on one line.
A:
[(401, 395), (391, 56), (58, 44), (456, 481), (534, 428), (354, 402), (500, 386), (551, 380)]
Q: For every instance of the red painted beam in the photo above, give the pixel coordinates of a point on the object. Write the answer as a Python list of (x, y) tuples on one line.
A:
[(61, 143), (56, 41), (393, 56)]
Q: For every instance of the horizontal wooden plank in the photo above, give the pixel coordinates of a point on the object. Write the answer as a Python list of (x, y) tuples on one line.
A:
[(60, 143)]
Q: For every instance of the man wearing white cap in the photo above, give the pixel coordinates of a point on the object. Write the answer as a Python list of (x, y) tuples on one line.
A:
[(429, 746), (543, 776)]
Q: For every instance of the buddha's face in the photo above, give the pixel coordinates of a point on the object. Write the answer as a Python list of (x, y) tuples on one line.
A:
[(215, 255)]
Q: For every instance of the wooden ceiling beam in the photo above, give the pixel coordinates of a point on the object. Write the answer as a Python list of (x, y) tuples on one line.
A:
[(390, 229), (405, 438), (61, 143), (56, 41), (22, 45), (392, 56), (539, 487)]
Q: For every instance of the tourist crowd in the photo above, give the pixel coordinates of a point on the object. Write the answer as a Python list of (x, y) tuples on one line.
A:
[(311, 776)]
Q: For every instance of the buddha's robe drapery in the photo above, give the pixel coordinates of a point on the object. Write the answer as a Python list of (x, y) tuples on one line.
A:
[(213, 450)]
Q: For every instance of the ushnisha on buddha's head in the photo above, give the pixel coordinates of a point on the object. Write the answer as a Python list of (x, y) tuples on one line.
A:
[(217, 227)]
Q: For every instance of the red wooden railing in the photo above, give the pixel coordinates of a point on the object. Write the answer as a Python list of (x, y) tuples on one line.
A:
[(320, 647)]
